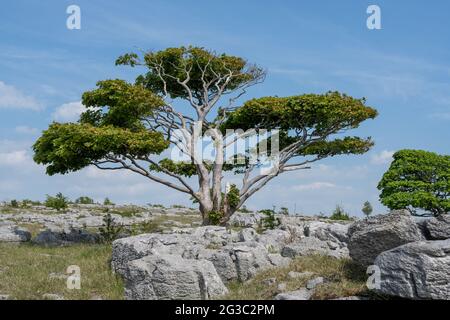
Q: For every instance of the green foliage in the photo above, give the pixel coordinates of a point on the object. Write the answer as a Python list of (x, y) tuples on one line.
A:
[(107, 202), (14, 204), (71, 147), (284, 211), (110, 230), (215, 217), (180, 168), (233, 196), (416, 180), (57, 202), (317, 115), (367, 208), (84, 200), (339, 214), (203, 65), (269, 221), (126, 105)]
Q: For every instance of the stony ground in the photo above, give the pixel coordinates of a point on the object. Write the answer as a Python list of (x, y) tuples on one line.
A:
[(32, 271)]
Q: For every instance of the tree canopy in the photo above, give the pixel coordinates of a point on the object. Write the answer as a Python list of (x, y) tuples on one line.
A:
[(417, 180), (132, 126)]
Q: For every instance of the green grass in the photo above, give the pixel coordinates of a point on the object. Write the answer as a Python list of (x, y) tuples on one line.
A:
[(25, 269), (342, 279)]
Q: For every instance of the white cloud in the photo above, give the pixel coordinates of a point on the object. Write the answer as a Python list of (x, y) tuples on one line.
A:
[(12, 98), (384, 157), (68, 112), (314, 186), (26, 130), (13, 158)]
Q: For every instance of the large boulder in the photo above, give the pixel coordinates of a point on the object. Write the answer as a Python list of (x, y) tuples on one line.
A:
[(65, 237), (370, 237), (244, 219), (186, 242), (438, 228), (13, 234), (311, 245), (171, 277), (335, 232), (418, 270)]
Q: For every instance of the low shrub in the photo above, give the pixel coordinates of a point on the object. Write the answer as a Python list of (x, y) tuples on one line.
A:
[(57, 202), (339, 214)]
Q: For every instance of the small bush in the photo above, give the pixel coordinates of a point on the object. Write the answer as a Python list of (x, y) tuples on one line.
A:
[(14, 204), (215, 216), (269, 221), (367, 209), (57, 202), (107, 202), (339, 214), (233, 197), (110, 230), (284, 211), (84, 200)]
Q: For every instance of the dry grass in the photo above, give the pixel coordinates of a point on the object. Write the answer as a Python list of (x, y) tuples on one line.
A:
[(342, 279), (25, 270)]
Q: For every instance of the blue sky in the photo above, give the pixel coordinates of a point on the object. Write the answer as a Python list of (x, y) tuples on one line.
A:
[(307, 46)]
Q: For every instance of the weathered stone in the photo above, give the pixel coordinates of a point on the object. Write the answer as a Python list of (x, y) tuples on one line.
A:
[(274, 240), (5, 297), (417, 270), (311, 245), (170, 277), (333, 232), (313, 283), (241, 219), (301, 294), (281, 287), (247, 234), (370, 237), (296, 275), (269, 281), (438, 228), (65, 237), (11, 233)]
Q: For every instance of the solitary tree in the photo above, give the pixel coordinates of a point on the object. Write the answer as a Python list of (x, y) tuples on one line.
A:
[(186, 94), (367, 208), (416, 180)]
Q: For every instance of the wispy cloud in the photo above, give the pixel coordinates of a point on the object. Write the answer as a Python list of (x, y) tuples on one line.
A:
[(384, 157), (314, 186), (26, 130), (68, 112), (12, 98)]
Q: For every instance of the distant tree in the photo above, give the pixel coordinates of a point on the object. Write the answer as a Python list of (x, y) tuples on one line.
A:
[(417, 180), (339, 214), (128, 125), (57, 202), (367, 208), (107, 202), (14, 203), (284, 211), (269, 221), (84, 200)]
